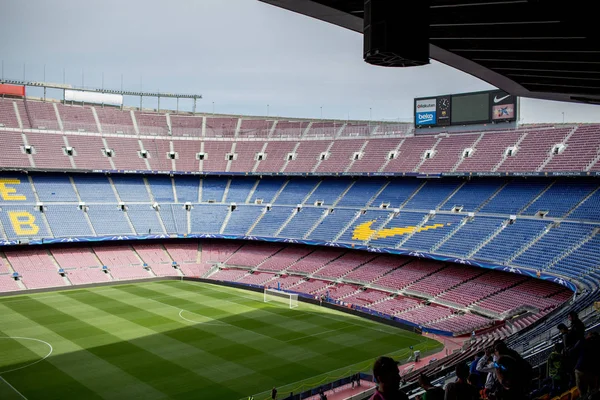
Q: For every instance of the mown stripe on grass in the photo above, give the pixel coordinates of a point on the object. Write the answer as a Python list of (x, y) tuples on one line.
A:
[(164, 376)]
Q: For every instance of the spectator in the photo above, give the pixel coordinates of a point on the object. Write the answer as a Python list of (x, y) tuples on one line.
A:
[(586, 354), (322, 395), (557, 370), (501, 349), (513, 382), (385, 371), (576, 327), (477, 378), (485, 366), (567, 337), (460, 389), (431, 392)]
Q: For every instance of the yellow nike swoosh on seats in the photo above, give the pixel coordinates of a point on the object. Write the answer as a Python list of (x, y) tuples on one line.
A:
[(364, 231)]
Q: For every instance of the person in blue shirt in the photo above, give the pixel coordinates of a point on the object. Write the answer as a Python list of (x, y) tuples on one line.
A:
[(473, 370)]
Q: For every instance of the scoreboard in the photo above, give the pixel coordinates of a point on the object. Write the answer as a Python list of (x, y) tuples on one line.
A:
[(465, 109)]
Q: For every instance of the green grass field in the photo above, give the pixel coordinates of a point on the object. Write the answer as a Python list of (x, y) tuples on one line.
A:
[(180, 340)]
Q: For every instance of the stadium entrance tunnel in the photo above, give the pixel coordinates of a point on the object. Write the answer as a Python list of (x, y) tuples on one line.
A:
[(132, 335)]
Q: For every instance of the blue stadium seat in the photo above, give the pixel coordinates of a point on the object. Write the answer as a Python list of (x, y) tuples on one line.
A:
[(131, 188), (187, 188), (397, 229), (470, 235), (296, 190), (511, 239), (473, 194), (589, 210), (162, 188), (94, 189), (561, 197), (432, 194), (144, 219), (67, 220), (266, 189), (239, 190), (361, 192), (378, 216), (553, 244), (208, 218), (23, 193), (109, 220), (302, 222), (28, 220), (242, 219), (329, 191), (432, 231), (174, 217), (213, 189), (333, 224), (54, 188), (397, 192), (272, 221), (515, 196)]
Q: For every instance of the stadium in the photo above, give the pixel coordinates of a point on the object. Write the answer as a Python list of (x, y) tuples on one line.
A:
[(156, 253)]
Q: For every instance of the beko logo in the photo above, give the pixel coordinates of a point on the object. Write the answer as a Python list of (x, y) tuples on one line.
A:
[(425, 105), (426, 117), (498, 100)]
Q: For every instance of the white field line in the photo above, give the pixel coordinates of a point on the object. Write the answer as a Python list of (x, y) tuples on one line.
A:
[(13, 388), (33, 363)]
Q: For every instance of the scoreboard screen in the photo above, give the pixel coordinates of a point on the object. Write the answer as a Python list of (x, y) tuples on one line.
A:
[(465, 108), (470, 108)]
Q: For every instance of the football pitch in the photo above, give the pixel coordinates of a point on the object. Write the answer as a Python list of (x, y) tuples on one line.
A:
[(181, 340)]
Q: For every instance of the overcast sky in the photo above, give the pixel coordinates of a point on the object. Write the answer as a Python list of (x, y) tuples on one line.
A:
[(239, 54)]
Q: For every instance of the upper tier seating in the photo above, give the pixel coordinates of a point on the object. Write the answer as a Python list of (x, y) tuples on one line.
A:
[(205, 143)]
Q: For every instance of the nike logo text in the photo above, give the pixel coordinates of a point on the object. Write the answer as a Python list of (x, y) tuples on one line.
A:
[(498, 100)]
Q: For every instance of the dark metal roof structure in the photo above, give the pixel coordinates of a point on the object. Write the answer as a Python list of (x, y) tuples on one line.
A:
[(546, 49)]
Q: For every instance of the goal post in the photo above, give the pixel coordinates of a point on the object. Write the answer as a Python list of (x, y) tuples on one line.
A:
[(278, 295)]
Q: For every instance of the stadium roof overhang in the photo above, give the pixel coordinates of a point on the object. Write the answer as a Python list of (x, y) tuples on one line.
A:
[(545, 49)]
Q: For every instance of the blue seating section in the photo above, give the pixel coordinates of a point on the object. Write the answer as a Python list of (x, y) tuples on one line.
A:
[(131, 188), (405, 220), (208, 218), (580, 261), (432, 194), (24, 215), (302, 222), (379, 218), (109, 220), (174, 217), (94, 189), (187, 189), (515, 196), (161, 188), (588, 210), (397, 192), (552, 245), (329, 191), (470, 235), (296, 190), (144, 219), (272, 221), (213, 189), (473, 194), (242, 219), (432, 233), (239, 190), (333, 224), (511, 239), (267, 189), (55, 188), (67, 220), (561, 197), (491, 199), (361, 192), (18, 189)]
